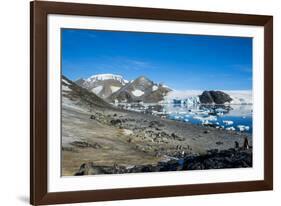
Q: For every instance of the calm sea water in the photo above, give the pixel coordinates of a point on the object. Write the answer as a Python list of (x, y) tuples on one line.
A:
[(231, 117), (234, 117)]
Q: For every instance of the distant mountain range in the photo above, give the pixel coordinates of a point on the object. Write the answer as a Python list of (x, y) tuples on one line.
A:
[(114, 88)]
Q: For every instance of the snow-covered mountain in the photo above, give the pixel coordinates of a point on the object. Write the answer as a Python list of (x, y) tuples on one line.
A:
[(141, 89), (103, 77), (114, 88), (103, 85)]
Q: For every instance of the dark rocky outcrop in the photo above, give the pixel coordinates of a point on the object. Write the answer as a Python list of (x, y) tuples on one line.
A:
[(214, 97), (116, 122), (214, 159)]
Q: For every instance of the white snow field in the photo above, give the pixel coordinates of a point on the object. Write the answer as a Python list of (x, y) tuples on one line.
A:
[(240, 96), (192, 96), (97, 89), (114, 88)]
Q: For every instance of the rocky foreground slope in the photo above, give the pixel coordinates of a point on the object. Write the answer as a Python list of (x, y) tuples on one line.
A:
[(99, 137)]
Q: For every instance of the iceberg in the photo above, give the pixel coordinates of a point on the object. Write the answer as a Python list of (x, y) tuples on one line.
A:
[(227, 122), (243, 128), (230, 128)]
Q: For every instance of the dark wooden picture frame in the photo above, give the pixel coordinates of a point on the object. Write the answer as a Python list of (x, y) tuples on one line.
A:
[(38, 107)]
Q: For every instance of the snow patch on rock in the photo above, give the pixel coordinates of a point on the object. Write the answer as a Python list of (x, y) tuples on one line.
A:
[(97, 89), (243, 128), (137, 93), (114, 88), (154, 88), (66, 82), (65, 88)]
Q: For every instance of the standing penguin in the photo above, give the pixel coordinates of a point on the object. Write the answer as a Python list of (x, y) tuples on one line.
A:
[(246, 143)]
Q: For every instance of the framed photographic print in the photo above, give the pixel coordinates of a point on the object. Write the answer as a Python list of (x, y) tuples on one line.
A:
[(131, 102)]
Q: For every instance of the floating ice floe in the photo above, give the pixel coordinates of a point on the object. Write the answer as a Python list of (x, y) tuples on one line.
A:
[(156, 112), (230, 128), (243, 128), (220, 110), (201, 112), (227, 122), (182, 112), (208, 118), (206, 122), (175, 117)]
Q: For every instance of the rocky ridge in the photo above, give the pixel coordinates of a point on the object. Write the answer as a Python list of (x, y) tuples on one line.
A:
[(141, 89)]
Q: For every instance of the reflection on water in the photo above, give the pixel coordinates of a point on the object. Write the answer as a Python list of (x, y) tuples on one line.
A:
[(229, 117)]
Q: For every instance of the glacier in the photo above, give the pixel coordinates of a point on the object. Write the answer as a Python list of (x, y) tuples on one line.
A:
[(191, 97)]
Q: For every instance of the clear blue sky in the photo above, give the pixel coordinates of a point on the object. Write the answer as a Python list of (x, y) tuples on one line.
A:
[(180, 61)]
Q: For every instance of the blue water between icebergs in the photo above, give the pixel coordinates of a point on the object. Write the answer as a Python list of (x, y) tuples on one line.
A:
[(228, 117), (232, 117)]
